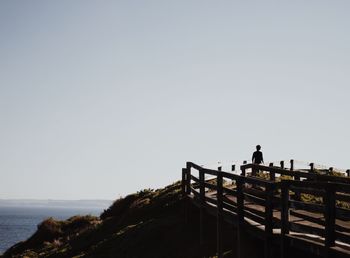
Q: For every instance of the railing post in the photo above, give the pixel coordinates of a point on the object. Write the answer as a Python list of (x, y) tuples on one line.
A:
[(284, 218), (330, 171), (312, 167), (243, 173), (282, 164), (183, 183), (202, 203), (240, 217), (254, 170), (329, 214), (220, 168), (268, 220), (219, 215), (233, 168), (184, 194), (272, 174), (296, 178), (188, 178)]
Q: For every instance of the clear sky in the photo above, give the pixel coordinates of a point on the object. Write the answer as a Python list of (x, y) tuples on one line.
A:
[(103, 98)]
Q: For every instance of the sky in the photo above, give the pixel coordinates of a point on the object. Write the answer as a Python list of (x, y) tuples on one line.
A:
[(99, 99)]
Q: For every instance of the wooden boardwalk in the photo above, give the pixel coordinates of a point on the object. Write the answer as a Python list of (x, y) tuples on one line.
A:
[(283, 207)]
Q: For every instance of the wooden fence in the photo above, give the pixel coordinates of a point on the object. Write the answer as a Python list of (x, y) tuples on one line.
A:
[(283, 207)]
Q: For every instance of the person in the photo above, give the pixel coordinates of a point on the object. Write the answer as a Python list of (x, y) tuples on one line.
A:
[(258, 156)]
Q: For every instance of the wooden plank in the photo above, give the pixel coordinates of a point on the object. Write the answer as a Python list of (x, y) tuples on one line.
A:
[(343, 214), (307, 190), (255, 209), (314, 219), (195, 179), (254, 199), (276, 170), (229, 207), (211, 200), (342, 228), (210, 186), (342, 197), (306, 229), (341, 236), (229, 175), (341, 187), (192, 165), (256, 191), (296, 173), (340, 252), (255, 217), (229, 201), (230, 191), (308, 245), (231, 219), (306, 206), (210, 171), (195, 192), (335, 179), (318, 218), (256, 181), (308, 184)]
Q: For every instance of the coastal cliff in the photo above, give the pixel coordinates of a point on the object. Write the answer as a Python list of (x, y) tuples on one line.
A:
[(149, 223)]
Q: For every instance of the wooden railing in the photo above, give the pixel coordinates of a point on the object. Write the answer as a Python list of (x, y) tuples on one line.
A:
[(281, 212)]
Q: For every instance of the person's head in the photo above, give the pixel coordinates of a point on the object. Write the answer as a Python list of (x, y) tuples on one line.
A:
[(258, 147)]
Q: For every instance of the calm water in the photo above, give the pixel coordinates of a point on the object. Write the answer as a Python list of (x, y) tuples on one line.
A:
[(19, 223)]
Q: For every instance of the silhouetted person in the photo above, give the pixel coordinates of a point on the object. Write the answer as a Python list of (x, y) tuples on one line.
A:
[(258, 156)]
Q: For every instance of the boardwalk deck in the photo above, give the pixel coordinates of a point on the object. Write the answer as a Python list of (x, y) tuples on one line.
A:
[(275, 211)]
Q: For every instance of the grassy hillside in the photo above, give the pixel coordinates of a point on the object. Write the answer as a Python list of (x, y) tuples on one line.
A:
[(145, 224)]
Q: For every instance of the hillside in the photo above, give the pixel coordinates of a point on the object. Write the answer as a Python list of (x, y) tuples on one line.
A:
[(145, 224)]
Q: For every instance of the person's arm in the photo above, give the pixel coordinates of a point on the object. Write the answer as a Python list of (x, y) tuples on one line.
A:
[(253, 157), (262, 158)]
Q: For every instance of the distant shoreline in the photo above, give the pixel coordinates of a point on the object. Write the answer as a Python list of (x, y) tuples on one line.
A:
[(32, 203)]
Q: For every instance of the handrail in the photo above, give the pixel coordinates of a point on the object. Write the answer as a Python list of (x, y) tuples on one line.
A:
[(303, 174), (227, 174)]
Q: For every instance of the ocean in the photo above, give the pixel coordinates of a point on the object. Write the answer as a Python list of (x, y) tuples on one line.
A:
[(18, 223)]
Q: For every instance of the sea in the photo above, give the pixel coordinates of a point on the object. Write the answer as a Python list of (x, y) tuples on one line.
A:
[(19, 219)]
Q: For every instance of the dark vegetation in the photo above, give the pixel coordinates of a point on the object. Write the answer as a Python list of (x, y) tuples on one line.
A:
[(149, 223)]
